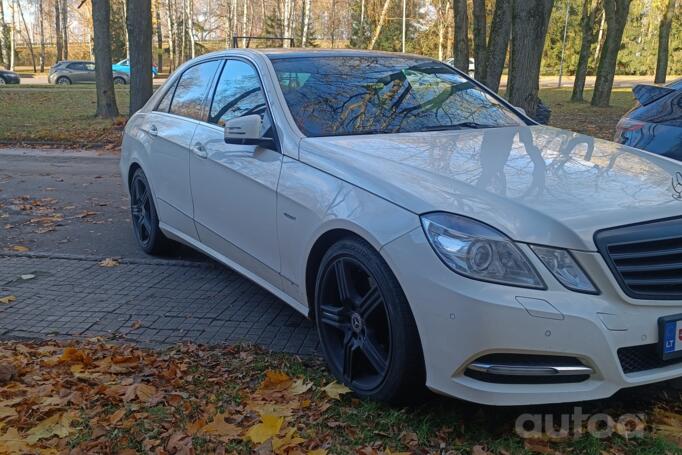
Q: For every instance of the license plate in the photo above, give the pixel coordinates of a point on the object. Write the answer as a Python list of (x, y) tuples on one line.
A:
[(670, 336)]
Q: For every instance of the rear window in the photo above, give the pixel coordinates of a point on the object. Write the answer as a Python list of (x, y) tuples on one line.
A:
[(345, 95)]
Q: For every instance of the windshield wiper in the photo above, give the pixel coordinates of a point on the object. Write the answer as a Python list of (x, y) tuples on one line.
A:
[(460, 126)]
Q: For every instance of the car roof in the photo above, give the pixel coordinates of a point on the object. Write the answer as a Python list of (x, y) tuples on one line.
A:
[(76, 61), (283, 53)]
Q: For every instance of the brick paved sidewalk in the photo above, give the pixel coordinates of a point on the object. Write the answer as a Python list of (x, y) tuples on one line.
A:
[(153, 303)]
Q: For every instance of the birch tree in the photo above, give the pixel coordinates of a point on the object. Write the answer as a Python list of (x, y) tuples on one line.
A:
[(4, 57), (380, 24), (42, 35), (306, 22)]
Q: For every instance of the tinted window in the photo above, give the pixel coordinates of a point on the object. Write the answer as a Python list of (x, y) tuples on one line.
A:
[(89, 66), (375, 94), (238, 93), (77, 66), (192, 88), (164, 104)]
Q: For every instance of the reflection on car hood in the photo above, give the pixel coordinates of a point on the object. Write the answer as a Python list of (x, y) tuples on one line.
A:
[(537, 184)]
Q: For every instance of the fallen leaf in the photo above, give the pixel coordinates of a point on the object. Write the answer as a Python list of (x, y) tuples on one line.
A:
[(109, 262), (299, 386), (143, 392), (12, 443), (20, 248), (116, 416), (6, 411), (218, 427), (261, 432), (57, 425), (317, 452), (28, 276), (334, 390), (7, 299), (282, 445)]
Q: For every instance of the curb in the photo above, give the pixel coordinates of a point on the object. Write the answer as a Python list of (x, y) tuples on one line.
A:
[(93, 258)]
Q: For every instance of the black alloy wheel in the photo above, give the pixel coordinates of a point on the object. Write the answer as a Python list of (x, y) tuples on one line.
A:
[(144, 216), (367, 332)]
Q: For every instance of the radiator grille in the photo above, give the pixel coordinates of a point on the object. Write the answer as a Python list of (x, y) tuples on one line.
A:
[(646, 259)]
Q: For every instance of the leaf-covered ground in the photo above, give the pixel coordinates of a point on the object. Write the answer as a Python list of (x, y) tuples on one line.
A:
[(63, 116), (94, 397)]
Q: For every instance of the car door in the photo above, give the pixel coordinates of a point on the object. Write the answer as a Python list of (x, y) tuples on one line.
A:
[(234, 187), (171, 127), (75, 71), (89, 72)]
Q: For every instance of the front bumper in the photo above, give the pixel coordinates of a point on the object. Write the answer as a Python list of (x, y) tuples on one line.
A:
[(11, 78), (461, 321)]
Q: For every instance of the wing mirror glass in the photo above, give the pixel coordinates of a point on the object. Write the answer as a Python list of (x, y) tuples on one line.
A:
[(247, 130)]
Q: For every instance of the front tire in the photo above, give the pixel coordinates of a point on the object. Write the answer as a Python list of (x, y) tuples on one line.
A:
[(119, 81), (63, 81), (145, 219), (367, 332)]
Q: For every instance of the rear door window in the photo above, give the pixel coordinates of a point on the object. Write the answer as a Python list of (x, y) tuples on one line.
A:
[(192, 88)]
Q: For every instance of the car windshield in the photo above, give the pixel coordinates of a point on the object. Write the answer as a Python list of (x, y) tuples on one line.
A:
[(347, 95)]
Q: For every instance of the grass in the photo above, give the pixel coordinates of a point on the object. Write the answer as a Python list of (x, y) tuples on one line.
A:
[(191, 385), (36, 115), (39, 114), (582, 117)]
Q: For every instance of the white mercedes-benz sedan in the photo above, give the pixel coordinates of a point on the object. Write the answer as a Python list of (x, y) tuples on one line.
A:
[(434, 234)]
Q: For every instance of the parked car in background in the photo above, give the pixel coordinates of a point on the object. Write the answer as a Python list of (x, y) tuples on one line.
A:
[(655, 123), (472, 65), (124, 67), (70, 72), (9, 77), (434, 234)]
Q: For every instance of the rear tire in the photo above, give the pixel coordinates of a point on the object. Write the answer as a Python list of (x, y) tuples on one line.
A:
[(2, 81), (144, 216), (119, 81), (367, 332)]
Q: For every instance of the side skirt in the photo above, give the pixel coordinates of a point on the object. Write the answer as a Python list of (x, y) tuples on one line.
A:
[(179, 236)]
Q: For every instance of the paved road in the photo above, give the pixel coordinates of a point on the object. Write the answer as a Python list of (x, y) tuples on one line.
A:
[(69, 210)]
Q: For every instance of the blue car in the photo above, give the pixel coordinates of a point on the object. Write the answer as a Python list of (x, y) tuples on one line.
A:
[(655, 123), (124, 67)]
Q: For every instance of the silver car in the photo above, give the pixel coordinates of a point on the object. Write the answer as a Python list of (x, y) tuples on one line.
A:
[(70, 72)]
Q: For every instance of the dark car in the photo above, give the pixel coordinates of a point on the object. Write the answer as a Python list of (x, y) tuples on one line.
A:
[(8, 77), (79, 71), (655, 123)]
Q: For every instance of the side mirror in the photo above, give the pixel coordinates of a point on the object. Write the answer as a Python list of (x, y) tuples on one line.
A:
[(246, 130)]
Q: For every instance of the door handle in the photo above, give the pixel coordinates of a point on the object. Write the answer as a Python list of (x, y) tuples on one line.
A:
[(199, 150), (153, 130)]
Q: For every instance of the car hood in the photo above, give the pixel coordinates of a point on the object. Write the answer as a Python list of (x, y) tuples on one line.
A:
[(537, 184)]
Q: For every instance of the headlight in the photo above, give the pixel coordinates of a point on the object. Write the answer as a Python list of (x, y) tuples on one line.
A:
[(477, 251), (565, 269)]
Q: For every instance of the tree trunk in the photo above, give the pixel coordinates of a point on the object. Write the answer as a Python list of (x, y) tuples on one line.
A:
[(106, 98), (58, 31), (479, 40), (159, 36), (461, 50), (245, 15), (171, 34), (306, 22), (500, 31), (616, 12), (443, 16), (530, 19), (12, 35), (183, 35), (29, 42), (4, 58), (286, 22), (382, 19), (42, 36), (233, 20), (65, 28), (587, 21), (139, 25), (126, 40), (190, 26), (663, 42)]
